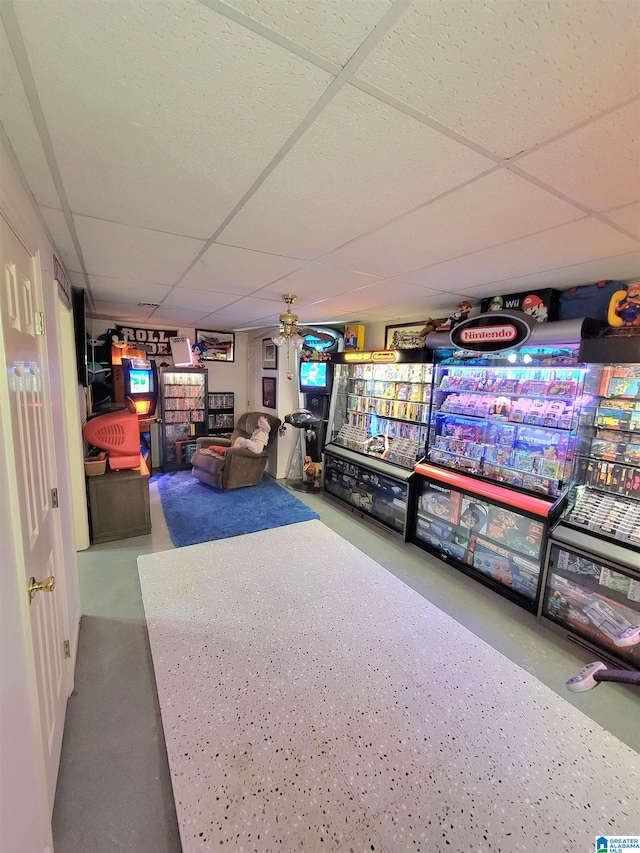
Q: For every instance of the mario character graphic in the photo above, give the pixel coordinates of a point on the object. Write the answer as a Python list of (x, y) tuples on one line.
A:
[(624, 308), (535, 307), (461, 313)]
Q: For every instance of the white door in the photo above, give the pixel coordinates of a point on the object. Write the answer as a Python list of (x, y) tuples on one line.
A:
[(25, 392)]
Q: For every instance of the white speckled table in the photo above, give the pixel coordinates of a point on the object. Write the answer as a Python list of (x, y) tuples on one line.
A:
[(311, 701)]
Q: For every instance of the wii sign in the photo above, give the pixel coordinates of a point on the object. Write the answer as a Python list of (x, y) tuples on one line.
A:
[(492, 332)]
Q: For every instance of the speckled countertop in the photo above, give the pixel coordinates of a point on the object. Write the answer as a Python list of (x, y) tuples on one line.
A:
[(312, 701)]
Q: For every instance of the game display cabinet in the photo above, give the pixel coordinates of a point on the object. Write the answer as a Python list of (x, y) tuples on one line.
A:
[(378, 423), (592, 573), (220, 413), (183, 396), (503, 433)]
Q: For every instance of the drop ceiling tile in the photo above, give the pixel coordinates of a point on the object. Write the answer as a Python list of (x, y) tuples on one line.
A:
[(61, 236), (203, 300), (577, 242), (627, 217), (180, 317), (250, 308), (333, 29), (498, 207), (124, 251), (227, 269), (597, 165), (154, 112), (373, 296), (127, 290), (547, 66), (121, 312), (316, 281), (21, 130), (360, 164), (621, 268)]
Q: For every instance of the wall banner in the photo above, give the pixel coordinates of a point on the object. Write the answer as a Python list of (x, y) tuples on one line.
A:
[(153, 341)]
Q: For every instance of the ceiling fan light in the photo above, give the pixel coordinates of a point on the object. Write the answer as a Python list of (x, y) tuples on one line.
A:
[(279, 340)]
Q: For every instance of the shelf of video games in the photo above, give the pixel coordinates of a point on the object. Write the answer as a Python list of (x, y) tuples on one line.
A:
[(592, 582), (220, 416), (501, 453), (378, 428), (183, 393)]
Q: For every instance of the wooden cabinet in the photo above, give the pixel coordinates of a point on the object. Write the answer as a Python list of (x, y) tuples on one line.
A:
[(119, 504)]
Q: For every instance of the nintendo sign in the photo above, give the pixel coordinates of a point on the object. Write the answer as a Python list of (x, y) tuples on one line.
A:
[(492, 332)]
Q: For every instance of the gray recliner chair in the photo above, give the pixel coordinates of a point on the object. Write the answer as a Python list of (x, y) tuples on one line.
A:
[(233, 467)]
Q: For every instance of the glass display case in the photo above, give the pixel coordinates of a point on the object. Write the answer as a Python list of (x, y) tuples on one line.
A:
[(183, 395), (378, 426), (367, 488), (486, 530), (594, 597), (592, 583), (502, 448), (508, 418), (381, 408)]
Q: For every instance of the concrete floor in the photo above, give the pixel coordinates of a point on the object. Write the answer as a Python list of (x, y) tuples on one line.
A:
[(114, 791)]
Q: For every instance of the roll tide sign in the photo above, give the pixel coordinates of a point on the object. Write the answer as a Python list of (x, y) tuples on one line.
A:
[(494, 331)]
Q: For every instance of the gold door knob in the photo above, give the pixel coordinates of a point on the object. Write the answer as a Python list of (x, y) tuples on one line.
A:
[(46, 585)]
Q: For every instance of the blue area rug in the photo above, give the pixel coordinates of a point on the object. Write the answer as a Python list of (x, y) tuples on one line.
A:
[(198, 513)]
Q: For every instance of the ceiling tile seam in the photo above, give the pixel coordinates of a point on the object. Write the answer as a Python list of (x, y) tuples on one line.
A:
[(477, 251), (541, 272), (272, 35), (406, 213), (126, 224), (526, 151), (304, 261), (6, 142), (16, 42), (610, 222), (434, 124), (513, 167), (423, 118), (365, 48)]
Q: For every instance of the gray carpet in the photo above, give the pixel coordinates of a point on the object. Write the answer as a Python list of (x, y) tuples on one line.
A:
[(113, 749)]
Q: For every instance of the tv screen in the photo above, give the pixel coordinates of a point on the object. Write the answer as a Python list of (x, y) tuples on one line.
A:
[(140, 382), (313, 374)]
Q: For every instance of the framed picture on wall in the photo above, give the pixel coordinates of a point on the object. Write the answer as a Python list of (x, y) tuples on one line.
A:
[(404, 335), (269, 354), (219, 345), (269, 392)]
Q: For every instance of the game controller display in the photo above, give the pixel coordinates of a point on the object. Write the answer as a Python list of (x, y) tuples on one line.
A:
[(584, 680)]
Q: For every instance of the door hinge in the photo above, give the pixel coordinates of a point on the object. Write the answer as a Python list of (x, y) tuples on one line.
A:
[(54, 499), (39, 324), (67, 649)]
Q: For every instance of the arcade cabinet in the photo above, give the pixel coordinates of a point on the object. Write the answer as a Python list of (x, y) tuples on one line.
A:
[(316, 380), (140, 385)]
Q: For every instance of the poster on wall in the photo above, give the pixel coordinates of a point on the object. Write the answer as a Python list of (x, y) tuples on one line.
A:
[(542, 305), (219, 346)]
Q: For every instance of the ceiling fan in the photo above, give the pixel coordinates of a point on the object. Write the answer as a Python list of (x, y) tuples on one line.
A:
[(291, 333)]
